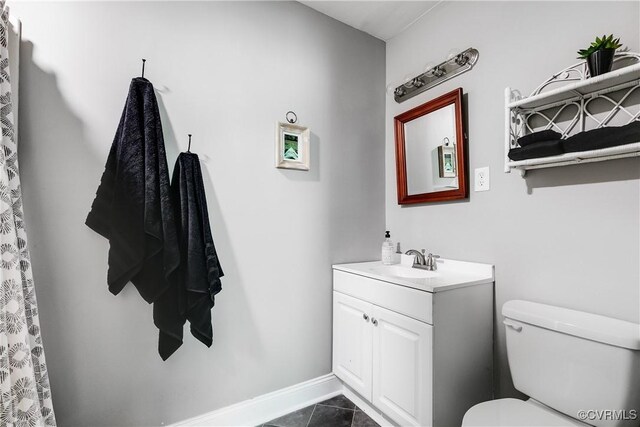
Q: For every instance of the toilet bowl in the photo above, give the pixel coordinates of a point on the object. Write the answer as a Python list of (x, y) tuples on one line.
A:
[(516, 413), (579, 369)]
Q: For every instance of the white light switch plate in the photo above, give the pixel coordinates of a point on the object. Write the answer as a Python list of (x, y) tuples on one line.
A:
[(482, 180)]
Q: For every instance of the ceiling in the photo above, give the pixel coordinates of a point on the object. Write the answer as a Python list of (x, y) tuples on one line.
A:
[(381, 19)]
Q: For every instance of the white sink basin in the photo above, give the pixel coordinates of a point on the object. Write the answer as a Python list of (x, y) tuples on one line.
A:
[(451, 274), (404, 271)]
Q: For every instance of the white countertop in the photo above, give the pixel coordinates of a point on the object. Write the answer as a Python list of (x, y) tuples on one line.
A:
[(451, 274)]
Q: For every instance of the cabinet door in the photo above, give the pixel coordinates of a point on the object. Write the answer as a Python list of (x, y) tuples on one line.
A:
[(352, 337), (402, 367)]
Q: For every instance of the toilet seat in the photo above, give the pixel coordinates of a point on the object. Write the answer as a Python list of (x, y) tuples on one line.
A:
[(515, 413)]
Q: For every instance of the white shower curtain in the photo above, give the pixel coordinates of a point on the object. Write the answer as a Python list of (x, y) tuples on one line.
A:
[(25, 396)]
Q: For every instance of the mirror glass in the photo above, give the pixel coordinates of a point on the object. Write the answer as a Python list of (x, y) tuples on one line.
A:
[(430, 151), (423, 137)]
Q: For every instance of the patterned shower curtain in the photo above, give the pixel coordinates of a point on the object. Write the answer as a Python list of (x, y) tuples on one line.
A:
[(25, 396)]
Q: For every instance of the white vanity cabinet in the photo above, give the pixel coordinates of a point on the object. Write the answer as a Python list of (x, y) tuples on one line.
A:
[(367, 339), (418, 350), (352, 342)]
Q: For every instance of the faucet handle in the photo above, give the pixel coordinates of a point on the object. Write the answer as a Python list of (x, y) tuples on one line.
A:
[(431, 263)]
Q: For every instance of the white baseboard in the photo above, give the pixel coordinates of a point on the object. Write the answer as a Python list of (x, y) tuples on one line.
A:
[(263, 408)]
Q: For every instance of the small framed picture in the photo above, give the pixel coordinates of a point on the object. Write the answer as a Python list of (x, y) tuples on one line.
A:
[(292, 146), (447, 161)]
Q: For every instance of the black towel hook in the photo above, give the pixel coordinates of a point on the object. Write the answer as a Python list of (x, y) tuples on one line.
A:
[(189, 148), (143, 61)]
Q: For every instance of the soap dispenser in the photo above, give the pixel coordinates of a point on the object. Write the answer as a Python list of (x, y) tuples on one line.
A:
[(388, 253)]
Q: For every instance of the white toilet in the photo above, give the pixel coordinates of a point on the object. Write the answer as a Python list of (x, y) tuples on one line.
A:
[(566, 361)]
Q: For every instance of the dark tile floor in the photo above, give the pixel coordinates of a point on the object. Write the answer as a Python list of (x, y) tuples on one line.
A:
[(335, 412)]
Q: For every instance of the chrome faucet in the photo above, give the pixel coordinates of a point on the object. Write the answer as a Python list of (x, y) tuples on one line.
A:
[(423, 262), (418, 260)]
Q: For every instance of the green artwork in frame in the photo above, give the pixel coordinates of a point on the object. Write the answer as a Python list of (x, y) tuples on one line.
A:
[(292, 146)]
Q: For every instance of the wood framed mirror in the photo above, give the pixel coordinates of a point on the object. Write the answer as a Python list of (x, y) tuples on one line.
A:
[(430, 151)]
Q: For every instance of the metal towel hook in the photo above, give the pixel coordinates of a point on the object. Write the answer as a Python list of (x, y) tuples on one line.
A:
[(143, 61), (189, 147)]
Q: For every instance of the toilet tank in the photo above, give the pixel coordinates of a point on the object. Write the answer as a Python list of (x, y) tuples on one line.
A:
[(573, 361)]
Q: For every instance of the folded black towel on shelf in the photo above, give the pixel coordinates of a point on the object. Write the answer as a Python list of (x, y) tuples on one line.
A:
[(603, 138), (539, 149), (543, 135)]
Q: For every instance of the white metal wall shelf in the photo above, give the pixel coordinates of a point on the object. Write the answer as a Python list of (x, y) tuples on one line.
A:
[(619, 152), (575, 98)]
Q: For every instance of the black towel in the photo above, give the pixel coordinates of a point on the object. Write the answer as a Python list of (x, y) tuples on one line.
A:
[(538, 149), (200, 268), (543, 135), (603, 137), (133, 209)]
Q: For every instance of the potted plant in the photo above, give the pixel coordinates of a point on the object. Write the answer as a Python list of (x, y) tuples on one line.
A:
[(599, 55)]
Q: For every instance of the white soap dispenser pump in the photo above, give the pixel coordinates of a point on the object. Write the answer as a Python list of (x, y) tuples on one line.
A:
[(388, 254)]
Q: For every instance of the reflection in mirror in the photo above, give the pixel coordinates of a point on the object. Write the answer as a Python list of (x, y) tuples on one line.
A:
[(430, 151), (447, 160), (427, 169)]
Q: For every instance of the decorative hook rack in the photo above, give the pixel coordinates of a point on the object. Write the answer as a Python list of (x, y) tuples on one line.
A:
[(143, 61), (442, 72)]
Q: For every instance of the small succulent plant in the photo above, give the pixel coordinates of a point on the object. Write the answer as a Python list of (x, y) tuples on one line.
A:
[(606, 42)]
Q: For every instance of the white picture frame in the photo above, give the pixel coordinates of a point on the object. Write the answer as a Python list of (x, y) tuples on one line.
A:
[(292, 146), (447, 161)]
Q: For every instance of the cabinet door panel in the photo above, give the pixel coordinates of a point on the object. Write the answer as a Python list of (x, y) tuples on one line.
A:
[(352, 338), (402, 367)]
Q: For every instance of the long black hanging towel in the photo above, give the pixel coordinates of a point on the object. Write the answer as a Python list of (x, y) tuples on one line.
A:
[(200, 268), (134, 211)]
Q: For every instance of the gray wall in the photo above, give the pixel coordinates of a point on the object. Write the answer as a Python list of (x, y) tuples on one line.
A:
[(225, 72), (565, 236)]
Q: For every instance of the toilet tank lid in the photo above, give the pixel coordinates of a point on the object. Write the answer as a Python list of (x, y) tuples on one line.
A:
[(577, 323)]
